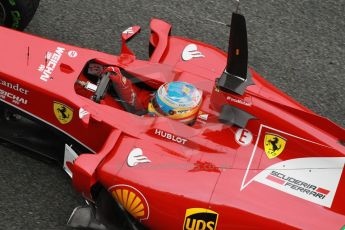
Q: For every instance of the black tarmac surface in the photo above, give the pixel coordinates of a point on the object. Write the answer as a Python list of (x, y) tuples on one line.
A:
[(297, 45)]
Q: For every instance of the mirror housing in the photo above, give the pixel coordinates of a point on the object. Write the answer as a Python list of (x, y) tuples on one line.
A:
[(130, 32), (127, 55)]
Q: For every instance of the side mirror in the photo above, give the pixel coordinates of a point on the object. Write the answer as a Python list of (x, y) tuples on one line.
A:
[(127, 34)]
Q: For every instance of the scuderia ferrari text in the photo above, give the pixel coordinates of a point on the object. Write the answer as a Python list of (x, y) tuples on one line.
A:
[(301, 186)]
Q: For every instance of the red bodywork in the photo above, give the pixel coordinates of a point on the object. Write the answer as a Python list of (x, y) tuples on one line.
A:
[(218, 170)]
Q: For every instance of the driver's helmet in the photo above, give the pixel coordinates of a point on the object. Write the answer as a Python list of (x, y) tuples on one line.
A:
[(177, 100)]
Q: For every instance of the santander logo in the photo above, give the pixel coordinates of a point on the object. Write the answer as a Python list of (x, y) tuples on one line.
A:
[(129, 30), (136, 156), (190, 52), (83, 113)]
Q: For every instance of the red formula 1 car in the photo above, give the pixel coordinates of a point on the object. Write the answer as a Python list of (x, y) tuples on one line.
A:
[(189, 139)]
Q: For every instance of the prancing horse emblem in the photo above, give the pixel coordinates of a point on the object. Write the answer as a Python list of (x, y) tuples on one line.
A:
[(274, 145), (62, 112)]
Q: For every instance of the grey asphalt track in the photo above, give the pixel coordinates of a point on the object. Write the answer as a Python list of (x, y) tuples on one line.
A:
[(297, 45)]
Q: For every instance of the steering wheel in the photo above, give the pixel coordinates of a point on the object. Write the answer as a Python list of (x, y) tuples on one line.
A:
[(102, 87)]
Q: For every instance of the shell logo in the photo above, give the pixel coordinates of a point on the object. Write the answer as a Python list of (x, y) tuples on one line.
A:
[(132, 200)]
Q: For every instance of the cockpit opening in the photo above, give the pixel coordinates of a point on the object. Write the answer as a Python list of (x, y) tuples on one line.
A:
[(114, 86)]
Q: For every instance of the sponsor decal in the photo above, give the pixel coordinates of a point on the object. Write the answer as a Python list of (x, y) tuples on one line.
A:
[(15, 87), (274, 145), (314, 179), (200, 219), (203, 116), (170, 136), (238, 101), (182, 111), (15, 99), (132, 200), (136, 156), (243, 137), (83, 113), (129, 30), (190, 52), (62, 112), (52, 60), (72, 53), (298, 185)]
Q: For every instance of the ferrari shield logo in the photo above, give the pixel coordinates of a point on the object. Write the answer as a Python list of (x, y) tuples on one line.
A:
[(63, 113), (274, 145)]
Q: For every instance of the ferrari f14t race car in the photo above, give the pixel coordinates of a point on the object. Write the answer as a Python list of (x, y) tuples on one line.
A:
[(189, 139)]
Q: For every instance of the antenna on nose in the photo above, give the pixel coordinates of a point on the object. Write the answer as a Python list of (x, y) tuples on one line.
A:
[(238, 5)]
